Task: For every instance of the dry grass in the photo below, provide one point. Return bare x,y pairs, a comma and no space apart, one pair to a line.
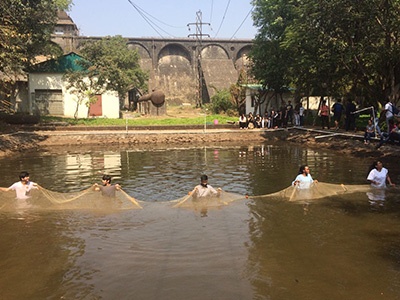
184,111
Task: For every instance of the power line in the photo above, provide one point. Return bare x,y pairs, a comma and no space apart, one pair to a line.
142,13
158,20
223,18
212,9
241,24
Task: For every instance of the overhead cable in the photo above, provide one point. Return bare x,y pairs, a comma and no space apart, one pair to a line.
142,13
241,24
223,18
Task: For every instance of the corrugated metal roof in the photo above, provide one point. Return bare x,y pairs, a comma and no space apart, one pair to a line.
67,62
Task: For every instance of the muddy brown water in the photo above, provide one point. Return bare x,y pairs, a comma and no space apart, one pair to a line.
340,247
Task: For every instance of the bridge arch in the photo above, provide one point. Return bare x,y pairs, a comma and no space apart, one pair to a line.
214,51
143,52
241,59
174,50
175,73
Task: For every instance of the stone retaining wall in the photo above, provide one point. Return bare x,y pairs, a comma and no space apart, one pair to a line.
181,138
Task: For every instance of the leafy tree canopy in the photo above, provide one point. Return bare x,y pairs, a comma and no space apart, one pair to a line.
25,32
111,66
336,47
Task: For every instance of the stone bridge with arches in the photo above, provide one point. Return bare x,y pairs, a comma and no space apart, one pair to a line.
183,68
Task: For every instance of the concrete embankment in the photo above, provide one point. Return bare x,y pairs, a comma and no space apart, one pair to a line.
51,138
24,140
138,137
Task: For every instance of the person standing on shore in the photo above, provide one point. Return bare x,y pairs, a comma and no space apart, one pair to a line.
324,113
350,116
337,109
301,114
389,114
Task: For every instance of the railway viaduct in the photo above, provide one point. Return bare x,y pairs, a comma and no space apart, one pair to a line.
184,69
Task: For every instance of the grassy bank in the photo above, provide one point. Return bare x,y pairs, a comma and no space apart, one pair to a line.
175,116
142,121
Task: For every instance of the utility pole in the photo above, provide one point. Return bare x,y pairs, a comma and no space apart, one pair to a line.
199,36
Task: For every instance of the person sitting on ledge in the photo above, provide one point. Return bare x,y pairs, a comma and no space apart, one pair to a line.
369,132
393,136
242,121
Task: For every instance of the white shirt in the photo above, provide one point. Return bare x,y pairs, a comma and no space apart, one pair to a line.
304,181
389,110
378,177
204,191
22,190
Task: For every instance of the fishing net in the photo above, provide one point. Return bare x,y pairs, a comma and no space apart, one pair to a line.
223,199
316,191
42,198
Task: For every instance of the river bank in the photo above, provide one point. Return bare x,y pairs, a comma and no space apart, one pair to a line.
23,140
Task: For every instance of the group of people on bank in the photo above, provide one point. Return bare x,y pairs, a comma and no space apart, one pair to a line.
280,118
288,114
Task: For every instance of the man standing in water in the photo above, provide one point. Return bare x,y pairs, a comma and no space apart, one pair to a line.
303,179
107,189
204,189
22,187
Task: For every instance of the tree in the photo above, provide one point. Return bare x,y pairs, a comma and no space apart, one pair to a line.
270,61
113,66
221,101
238,91
82,84
336,47
25,33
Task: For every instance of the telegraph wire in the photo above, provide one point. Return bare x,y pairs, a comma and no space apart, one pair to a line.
146,16
158,20
142,13
223,18
241,24
212,9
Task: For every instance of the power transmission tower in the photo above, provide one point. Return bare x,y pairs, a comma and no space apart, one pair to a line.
199,37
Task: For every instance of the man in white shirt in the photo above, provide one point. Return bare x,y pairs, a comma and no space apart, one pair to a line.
22,187
204,189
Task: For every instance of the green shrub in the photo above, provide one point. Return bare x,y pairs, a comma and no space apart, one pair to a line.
221,102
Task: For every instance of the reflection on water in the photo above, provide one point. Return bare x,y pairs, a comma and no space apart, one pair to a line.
332,248
167,174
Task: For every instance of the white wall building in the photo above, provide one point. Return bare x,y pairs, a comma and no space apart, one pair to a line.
48,93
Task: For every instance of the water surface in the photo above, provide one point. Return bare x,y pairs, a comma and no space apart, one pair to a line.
341,247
